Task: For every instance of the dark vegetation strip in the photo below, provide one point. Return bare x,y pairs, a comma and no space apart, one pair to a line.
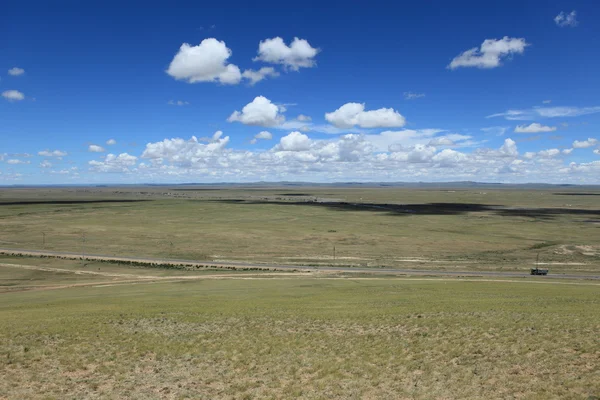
142,264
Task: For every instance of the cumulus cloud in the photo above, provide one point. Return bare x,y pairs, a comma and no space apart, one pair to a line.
300,54
184,152
448,157
45,164
114,163
597,151
352,114
16,71
260,112
111,142
584,144
13,95
412,96
54,153
264,135
295,141
546,112
563,19
94,148
549,153
534,128
567,151
206,62
257,76
490,54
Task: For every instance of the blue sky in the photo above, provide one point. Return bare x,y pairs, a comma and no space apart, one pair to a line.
433,91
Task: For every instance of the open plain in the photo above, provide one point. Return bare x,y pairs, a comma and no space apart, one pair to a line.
104,328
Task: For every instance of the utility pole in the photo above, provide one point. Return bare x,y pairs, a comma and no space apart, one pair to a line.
83,247
334,253
43,239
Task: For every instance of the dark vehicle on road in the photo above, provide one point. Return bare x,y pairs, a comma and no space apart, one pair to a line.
539,271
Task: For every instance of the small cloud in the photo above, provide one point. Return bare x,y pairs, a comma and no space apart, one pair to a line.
264,135
567,151
15,161
111,142
260,112
584,144
96,149
534,128
563,19
177,103
55,153
13,95
412,96
303,118
352,114
299,54
16,71
256,76
490,53
547,101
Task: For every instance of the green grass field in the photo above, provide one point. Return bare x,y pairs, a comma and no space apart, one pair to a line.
74,329
394,227
301,337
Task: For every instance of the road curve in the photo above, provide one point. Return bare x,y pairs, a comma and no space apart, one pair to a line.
385,271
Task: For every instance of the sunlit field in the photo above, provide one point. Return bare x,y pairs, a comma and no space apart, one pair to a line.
461,229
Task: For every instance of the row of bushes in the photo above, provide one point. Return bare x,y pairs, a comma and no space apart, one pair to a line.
141,264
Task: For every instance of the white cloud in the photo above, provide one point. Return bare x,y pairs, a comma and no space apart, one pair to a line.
584,144
257,76
16,71
184,152
95,148
534,128
549,153
303,118
295,141
412,96
597,151
13,95
264,135
547,101
55,153
490,54
509,148
111,142
546,112
352,114
45,164
114,163
563,19
567,151
206,62
178,103
449,157
260,112
15,161
300,54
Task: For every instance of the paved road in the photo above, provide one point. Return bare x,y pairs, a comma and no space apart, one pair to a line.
385,271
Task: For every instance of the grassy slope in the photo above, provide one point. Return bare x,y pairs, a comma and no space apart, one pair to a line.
309,338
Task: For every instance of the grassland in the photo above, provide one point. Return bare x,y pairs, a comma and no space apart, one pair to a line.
90,329
461,229
299,337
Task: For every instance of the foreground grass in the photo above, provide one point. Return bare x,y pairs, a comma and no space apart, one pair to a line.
307,338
